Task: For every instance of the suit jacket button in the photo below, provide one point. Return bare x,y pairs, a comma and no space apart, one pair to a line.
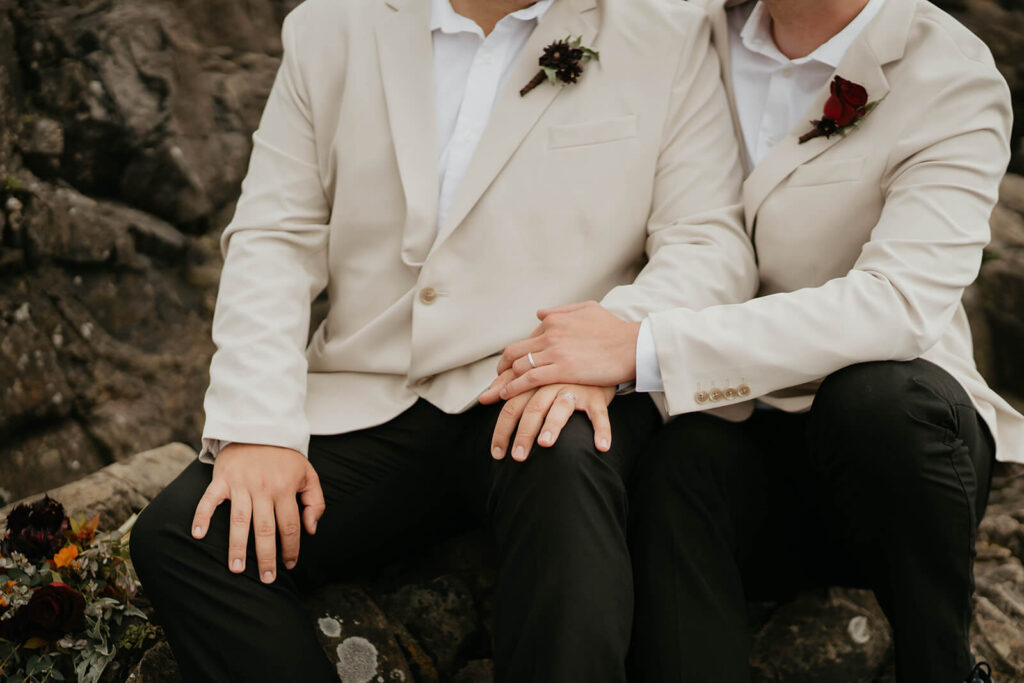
731,393
743,390
701,397
716,395
428,295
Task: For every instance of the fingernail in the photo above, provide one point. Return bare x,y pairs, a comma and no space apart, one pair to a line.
197,531
314,526
545,437
236,564
268,577
518,453
605,444
504,392
497,453
289,565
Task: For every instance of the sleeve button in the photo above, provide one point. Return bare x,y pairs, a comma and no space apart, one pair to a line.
744,390
701,397
731,393
716,395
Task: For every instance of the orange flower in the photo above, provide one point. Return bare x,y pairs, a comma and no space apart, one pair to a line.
66,555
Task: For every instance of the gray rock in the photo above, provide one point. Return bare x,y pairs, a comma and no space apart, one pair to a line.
118,491
476,671
440,614
156,666
842,636
45,460
356,636
33,386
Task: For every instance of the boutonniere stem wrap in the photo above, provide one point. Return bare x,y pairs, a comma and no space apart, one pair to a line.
563,62
846,106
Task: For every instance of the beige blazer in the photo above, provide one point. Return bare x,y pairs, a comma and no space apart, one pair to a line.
865,243
568,188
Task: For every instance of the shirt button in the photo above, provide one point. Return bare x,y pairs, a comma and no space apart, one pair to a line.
701,397
716,395
731,393
487,60
428,295
743,390
787,72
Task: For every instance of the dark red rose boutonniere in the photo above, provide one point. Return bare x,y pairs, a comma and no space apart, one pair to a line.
847,104
563,62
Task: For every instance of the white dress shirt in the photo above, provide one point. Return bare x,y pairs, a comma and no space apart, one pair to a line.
470,70
773,95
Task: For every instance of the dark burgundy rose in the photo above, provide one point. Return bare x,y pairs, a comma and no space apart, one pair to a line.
53,611
37,529
846,103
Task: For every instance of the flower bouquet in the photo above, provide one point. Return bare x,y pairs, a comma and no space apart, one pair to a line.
66,595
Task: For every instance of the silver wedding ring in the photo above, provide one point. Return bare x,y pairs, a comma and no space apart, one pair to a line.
569,395
529,357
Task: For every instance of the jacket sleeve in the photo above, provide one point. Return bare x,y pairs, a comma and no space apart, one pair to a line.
698,252
906,285
275,263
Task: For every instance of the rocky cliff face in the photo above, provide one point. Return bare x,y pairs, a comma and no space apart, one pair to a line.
124,136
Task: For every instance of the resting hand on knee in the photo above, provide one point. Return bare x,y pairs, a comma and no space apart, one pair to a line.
546,411
262,483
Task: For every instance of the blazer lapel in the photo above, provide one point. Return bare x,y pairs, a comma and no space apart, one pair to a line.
405,49
882,41
513,117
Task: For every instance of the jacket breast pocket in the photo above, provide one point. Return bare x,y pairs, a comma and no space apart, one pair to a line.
592,132
826,172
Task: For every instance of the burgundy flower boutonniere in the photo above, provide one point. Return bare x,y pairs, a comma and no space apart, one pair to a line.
563,61
846,106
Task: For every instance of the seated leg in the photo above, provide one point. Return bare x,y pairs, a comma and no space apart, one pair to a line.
904,461
379,484
564,599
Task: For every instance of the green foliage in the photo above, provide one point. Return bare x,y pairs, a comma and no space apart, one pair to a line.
102,573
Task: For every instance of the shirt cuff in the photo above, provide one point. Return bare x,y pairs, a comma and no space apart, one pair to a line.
211,447
648,372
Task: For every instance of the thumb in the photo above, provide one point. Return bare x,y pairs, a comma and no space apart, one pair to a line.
312,497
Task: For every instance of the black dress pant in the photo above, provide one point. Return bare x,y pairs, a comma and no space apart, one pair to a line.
564,597
881,485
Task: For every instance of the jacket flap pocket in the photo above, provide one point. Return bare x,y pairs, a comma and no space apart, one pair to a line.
592,132
825,172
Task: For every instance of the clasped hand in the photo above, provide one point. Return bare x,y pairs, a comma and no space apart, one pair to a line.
573,361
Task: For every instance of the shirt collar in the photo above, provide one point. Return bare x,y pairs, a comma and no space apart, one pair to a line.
445,19
757,36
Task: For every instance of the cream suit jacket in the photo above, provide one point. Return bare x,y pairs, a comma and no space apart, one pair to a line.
569,187
866,242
